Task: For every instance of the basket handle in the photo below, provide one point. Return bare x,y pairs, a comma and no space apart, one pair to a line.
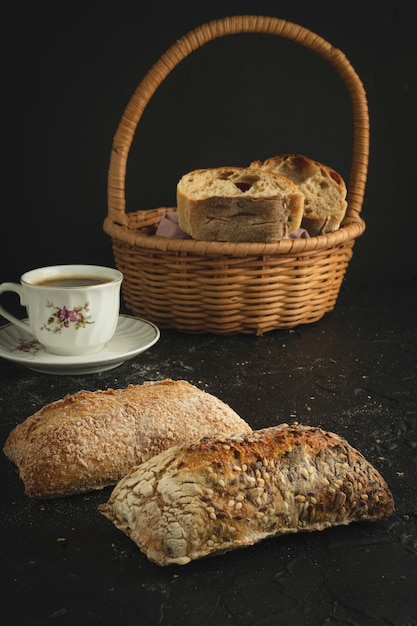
228,26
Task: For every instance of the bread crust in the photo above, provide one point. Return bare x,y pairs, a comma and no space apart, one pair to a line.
324,190
91,439
221,493
238,204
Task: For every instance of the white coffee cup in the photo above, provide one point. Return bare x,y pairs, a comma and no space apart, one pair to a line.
72,309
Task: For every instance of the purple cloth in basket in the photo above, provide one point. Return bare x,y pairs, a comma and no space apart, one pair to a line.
168,227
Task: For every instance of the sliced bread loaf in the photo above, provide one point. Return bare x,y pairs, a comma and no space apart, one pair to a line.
238,204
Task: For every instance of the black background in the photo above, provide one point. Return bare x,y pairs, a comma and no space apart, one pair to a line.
70,70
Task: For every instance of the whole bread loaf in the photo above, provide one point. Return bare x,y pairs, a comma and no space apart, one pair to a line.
238,204
91,439
221,493
323,188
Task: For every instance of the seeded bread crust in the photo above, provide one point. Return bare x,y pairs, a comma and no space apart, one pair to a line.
238,204
217,494
324,190
91,439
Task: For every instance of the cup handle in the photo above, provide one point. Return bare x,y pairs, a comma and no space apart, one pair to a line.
18,289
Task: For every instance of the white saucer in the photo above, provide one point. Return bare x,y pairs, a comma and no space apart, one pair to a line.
132,336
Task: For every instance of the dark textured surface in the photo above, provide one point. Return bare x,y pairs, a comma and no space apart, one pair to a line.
354,373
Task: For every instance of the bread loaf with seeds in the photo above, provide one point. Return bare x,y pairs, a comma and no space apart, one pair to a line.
90,439
238,204
221,493
323,188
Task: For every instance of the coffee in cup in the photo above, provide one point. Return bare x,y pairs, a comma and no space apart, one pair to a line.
72,309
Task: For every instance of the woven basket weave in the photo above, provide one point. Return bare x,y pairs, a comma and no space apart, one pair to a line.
228,288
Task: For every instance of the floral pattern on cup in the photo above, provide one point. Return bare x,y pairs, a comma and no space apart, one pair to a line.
64,318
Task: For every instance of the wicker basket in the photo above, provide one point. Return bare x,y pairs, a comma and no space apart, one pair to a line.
228,288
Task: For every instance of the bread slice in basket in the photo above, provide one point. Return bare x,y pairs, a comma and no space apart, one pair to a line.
238,204
323,188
